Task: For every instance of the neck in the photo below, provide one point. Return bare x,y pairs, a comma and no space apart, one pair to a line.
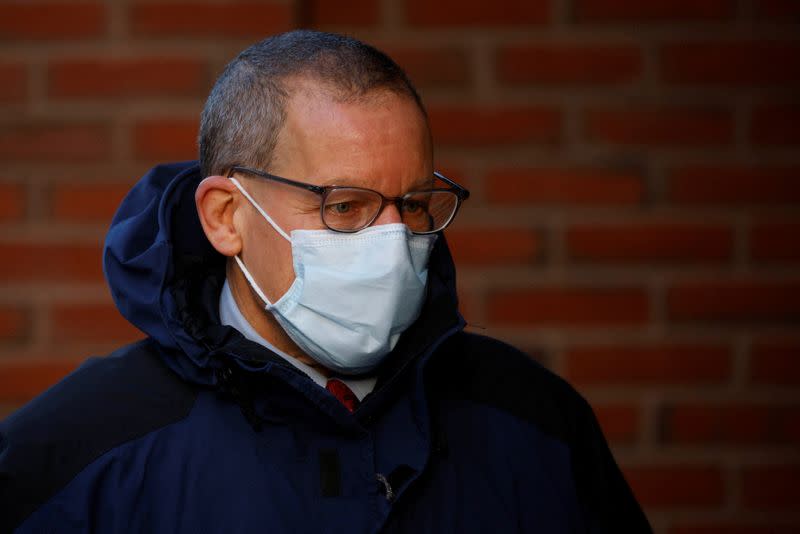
262,321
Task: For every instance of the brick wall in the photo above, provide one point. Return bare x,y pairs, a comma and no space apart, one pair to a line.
634,221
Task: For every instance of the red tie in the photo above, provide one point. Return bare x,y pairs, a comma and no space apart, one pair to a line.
343,393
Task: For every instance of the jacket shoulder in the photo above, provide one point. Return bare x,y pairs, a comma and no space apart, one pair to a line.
491,372
106,402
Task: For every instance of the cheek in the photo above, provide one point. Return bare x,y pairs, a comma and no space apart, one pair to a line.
268,256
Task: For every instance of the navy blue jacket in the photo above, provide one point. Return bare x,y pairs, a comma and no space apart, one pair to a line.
196,429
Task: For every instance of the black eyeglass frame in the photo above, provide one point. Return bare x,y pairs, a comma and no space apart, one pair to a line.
461,193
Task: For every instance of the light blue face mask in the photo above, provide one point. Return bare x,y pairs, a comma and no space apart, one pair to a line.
353,294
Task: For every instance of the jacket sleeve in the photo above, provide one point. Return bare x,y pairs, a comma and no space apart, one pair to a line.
20,482
53,450
605,496
32,471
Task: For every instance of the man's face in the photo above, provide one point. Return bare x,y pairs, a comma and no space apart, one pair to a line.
380,142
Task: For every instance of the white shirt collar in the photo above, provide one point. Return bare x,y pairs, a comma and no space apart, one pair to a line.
230,315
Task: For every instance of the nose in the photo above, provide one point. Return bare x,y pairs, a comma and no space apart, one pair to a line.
389,214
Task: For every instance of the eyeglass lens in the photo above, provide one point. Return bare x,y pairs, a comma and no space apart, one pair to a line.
351,209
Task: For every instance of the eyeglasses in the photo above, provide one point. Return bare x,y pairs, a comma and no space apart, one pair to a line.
350,209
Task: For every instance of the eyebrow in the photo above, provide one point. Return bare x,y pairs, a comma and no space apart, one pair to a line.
429,181
419,185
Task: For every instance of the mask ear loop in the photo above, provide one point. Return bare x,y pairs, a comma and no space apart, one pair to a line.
260,210
274,225
252,282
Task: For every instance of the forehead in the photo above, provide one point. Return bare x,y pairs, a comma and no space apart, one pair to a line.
380,141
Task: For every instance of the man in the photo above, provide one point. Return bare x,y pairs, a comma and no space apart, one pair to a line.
305,367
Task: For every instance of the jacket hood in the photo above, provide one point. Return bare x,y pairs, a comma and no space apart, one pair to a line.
165,278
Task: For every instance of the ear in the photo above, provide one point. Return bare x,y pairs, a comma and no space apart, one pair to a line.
216,206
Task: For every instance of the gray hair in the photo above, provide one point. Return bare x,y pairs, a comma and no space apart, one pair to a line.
247,106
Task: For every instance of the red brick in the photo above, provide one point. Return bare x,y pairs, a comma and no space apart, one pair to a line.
199,19
495,246
42,262
653,10
771,487
620,422
13,323
475,127
733,528
477,12
732,423
166,139
431,67
28,20
778,9
775,125
569,64
775,363
37,141
569,307
775,240
86,202
647,241
734,185
734,301
15,81
677,486
578,187
342,13
13,202
126,77
98,323
20,381
729,64
646,365
676,127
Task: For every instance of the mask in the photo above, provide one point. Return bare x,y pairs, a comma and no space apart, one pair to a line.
353,294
